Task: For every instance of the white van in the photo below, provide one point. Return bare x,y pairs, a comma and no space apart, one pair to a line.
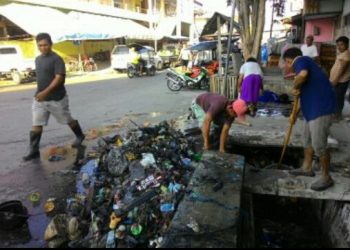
120,57
14,65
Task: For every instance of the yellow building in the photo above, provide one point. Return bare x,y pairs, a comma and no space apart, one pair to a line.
68,50
172,18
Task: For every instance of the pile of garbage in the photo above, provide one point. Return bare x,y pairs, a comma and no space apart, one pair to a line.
128,191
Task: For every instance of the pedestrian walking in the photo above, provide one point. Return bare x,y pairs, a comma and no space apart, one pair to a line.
51,96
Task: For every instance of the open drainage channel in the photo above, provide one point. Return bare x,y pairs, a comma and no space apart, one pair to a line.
277,222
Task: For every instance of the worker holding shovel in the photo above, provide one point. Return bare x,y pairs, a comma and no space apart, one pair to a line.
318,104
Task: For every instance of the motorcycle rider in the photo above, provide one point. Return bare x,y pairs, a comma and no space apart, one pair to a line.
136,60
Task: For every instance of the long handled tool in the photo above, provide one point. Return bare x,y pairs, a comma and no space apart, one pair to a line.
290,129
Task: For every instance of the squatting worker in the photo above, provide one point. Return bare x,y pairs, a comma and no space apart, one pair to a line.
319,104
211,108
51,96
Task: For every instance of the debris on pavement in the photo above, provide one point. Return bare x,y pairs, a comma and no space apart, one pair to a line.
56,158
57,151
128,190
49,205
34,198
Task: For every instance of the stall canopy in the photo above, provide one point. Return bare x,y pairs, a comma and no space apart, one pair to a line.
102,27
35,19
212,26
72,26
209,45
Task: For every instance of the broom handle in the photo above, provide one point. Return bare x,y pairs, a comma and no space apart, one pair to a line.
290,130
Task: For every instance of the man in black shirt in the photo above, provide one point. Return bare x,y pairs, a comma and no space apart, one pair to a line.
51,96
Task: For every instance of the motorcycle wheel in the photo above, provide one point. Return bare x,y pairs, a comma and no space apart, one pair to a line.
174,86
191,85
131,72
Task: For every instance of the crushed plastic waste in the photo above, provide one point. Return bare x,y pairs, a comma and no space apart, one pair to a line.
273,110
56,158
49,205
34,198
128,190
57,151
56,154
193,225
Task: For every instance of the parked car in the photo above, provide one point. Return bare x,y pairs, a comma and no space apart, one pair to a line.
14,66
158,61
121,57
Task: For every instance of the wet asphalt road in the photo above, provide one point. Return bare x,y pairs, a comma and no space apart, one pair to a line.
94,104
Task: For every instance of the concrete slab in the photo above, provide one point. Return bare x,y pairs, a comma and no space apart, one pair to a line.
281,183
215,212
269,132
266,132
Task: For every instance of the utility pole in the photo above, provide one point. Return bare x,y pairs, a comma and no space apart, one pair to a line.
218,23
152,24
229,46
272,17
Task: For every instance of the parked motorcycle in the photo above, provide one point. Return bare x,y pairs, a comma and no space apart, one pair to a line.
89,64
197,79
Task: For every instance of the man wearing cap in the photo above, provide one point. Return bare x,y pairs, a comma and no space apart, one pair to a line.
213,108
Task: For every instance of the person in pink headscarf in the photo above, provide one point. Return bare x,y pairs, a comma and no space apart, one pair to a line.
210,108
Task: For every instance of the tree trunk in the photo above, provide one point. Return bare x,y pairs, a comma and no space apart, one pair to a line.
252,23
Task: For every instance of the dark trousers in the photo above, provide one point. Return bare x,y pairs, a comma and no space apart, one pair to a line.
340,91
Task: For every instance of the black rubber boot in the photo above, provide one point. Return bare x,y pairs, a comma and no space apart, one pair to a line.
79,134
34,152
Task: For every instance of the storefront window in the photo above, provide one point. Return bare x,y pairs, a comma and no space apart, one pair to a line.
347,20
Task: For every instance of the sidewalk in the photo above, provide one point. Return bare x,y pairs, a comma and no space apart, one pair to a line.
72,78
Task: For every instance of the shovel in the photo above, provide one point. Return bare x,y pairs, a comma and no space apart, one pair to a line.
290,129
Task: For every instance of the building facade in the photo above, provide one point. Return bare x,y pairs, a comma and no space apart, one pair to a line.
150,13
322,19
344,28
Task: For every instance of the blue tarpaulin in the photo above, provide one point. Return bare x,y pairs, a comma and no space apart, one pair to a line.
208,45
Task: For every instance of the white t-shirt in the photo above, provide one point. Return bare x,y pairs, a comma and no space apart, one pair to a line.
309,51
251,68
185,54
